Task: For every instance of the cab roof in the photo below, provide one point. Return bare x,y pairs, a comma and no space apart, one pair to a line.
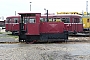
28,14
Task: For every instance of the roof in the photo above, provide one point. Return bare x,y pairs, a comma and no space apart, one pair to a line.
45,15
64,15
12,16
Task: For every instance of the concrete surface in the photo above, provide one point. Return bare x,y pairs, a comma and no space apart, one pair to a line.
53,51
76,51
7,38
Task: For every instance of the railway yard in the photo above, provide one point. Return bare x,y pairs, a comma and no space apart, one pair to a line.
40,35
76,48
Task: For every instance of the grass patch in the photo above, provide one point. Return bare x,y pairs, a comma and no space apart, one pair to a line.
0,32
10,35
15,36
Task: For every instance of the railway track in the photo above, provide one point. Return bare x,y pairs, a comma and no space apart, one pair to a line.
44,42
80,35
10,42
72,35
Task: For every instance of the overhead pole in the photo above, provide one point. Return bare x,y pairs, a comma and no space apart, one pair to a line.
47,16
15,13
30,6
82,13
87,14
46,12
87,7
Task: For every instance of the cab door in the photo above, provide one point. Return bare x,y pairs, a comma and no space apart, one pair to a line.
32,26
15,24
10,25
76,24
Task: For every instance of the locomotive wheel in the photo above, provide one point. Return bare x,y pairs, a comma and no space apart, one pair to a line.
65,40
20,40
28,41
75,32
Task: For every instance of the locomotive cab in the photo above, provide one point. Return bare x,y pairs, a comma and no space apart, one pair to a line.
29,25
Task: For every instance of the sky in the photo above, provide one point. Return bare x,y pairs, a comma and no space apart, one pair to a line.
8,7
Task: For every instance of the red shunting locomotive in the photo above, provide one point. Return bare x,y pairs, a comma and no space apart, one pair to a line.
34,30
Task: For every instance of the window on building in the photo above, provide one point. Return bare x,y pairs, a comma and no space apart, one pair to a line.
65,20
15,20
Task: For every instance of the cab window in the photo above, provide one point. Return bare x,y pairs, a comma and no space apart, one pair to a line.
80,20
45,19
57,19
15,20
32,20
65,20
50,19
88,20
54,19
76,20
7,20
25,20
41,19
